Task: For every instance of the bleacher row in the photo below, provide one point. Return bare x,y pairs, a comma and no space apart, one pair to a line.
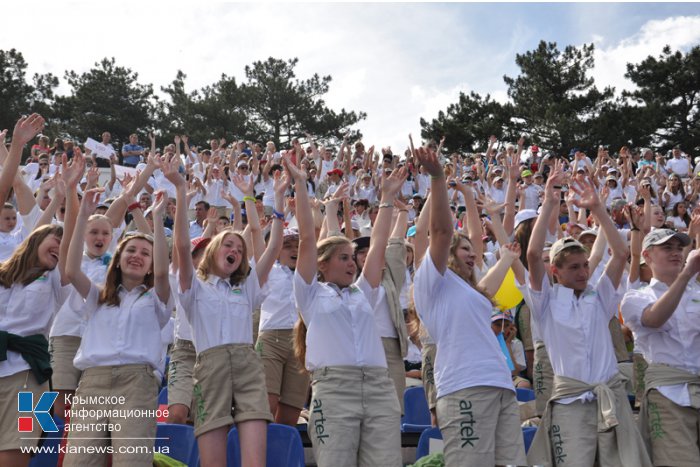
285,444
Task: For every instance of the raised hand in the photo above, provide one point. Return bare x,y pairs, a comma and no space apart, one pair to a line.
296,173
492,207
281,182
159,204
177,140
588,198
226,194
429,159
245,185
73,173
27,127
90,201
212,215
170,167
392,184
93,176
510,251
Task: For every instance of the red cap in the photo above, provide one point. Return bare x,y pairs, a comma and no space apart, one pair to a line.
534,148
337,172
199,243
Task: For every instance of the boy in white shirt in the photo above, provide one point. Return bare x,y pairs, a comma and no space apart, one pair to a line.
588,418
664,319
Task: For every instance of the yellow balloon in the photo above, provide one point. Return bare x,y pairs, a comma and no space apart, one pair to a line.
508,295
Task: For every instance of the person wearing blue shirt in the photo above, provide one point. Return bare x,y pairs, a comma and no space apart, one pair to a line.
132,152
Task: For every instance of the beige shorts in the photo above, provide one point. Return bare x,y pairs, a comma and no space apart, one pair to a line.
284,375
674,431
355,419
63,349
427,354
180,380
481,426
542,378
397,369
138,387
10,386
575,438
228,376
523,323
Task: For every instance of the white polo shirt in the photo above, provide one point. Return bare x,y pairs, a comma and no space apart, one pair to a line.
340,324
278,310
458,319
680,166
677,342
69,322
220,313
126,334
575,331
28,310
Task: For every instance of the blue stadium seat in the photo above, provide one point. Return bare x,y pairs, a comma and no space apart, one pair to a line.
524,395
181,442
163,396
51,442
424,441
528,436
284,447
417,415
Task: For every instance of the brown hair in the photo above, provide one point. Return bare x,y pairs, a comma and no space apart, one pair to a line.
325,250
207,263
457,237
23,267
109,294
564,255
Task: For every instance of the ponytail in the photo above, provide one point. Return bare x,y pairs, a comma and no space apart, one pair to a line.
299,342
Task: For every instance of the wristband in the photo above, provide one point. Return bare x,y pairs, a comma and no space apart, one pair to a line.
278,215
436,177
249,198
133,206
386,205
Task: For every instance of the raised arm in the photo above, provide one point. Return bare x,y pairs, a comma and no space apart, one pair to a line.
511,192
274,245
493,279
161,261
72,173
74,273
589,199
660,311
441,228
374,264
420,239
25,130
246,186
181,227
539,232
306,261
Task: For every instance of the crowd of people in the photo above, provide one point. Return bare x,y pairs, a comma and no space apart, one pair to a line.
317,282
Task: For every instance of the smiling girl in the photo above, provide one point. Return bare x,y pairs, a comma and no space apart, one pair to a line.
219,300
121,344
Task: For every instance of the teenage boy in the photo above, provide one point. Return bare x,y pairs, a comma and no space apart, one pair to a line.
665,319
588,418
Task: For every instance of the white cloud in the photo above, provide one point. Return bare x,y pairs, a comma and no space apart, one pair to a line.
679,32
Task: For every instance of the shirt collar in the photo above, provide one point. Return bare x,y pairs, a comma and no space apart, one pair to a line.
139,288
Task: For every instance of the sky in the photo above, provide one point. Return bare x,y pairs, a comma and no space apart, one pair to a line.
397,62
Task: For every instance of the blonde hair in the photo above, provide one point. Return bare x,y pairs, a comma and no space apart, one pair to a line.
109,295
24,267
325,249
207,263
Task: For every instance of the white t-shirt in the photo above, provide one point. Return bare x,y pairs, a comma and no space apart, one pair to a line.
676,342
468,355
278,310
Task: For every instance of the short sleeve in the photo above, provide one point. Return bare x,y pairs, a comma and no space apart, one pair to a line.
540,300
252,287
633,305
427,284
187,297
304,295
92,302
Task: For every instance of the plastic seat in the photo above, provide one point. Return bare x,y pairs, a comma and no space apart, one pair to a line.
284,447
49,457
524,395
528,436
417,416
423,448
163,396
181,442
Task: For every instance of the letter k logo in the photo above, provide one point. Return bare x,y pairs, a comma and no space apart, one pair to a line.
25,403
